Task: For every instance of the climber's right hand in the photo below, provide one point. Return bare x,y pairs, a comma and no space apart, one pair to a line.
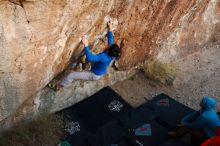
85,41
110,25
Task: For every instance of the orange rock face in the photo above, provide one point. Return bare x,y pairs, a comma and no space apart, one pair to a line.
38,38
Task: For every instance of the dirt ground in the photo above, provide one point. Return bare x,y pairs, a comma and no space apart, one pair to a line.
199,75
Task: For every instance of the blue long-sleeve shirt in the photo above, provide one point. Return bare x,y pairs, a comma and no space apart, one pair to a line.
206,118
102,60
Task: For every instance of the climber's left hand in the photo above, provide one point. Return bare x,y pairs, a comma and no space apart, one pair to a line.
85,41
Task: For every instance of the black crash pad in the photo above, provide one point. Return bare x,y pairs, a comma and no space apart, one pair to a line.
96,118
99,109
122,142
168,111
159,134
163,114
111,133
137,117
105,119
174,142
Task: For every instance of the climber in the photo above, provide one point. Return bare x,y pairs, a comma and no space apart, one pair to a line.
203,121
100,62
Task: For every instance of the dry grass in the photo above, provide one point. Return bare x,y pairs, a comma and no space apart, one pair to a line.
42,131
162,73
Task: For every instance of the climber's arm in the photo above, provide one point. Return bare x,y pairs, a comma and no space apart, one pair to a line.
110,34
194,120
92,57
89,55
110,38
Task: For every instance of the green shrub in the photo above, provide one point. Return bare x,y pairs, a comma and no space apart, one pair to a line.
162,73
42,131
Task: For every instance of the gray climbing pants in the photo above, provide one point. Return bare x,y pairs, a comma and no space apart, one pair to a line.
84,75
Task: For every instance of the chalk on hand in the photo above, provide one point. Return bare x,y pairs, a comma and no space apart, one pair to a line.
107,19
87,36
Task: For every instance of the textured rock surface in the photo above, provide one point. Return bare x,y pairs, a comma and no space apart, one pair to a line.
38,38
50,101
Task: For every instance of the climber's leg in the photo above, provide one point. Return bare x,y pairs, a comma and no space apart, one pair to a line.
85,75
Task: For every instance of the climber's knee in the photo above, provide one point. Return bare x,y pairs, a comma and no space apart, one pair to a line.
95,77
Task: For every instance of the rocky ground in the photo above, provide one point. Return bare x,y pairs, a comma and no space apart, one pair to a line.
199,75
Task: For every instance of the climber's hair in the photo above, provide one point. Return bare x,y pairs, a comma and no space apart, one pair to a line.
114,51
